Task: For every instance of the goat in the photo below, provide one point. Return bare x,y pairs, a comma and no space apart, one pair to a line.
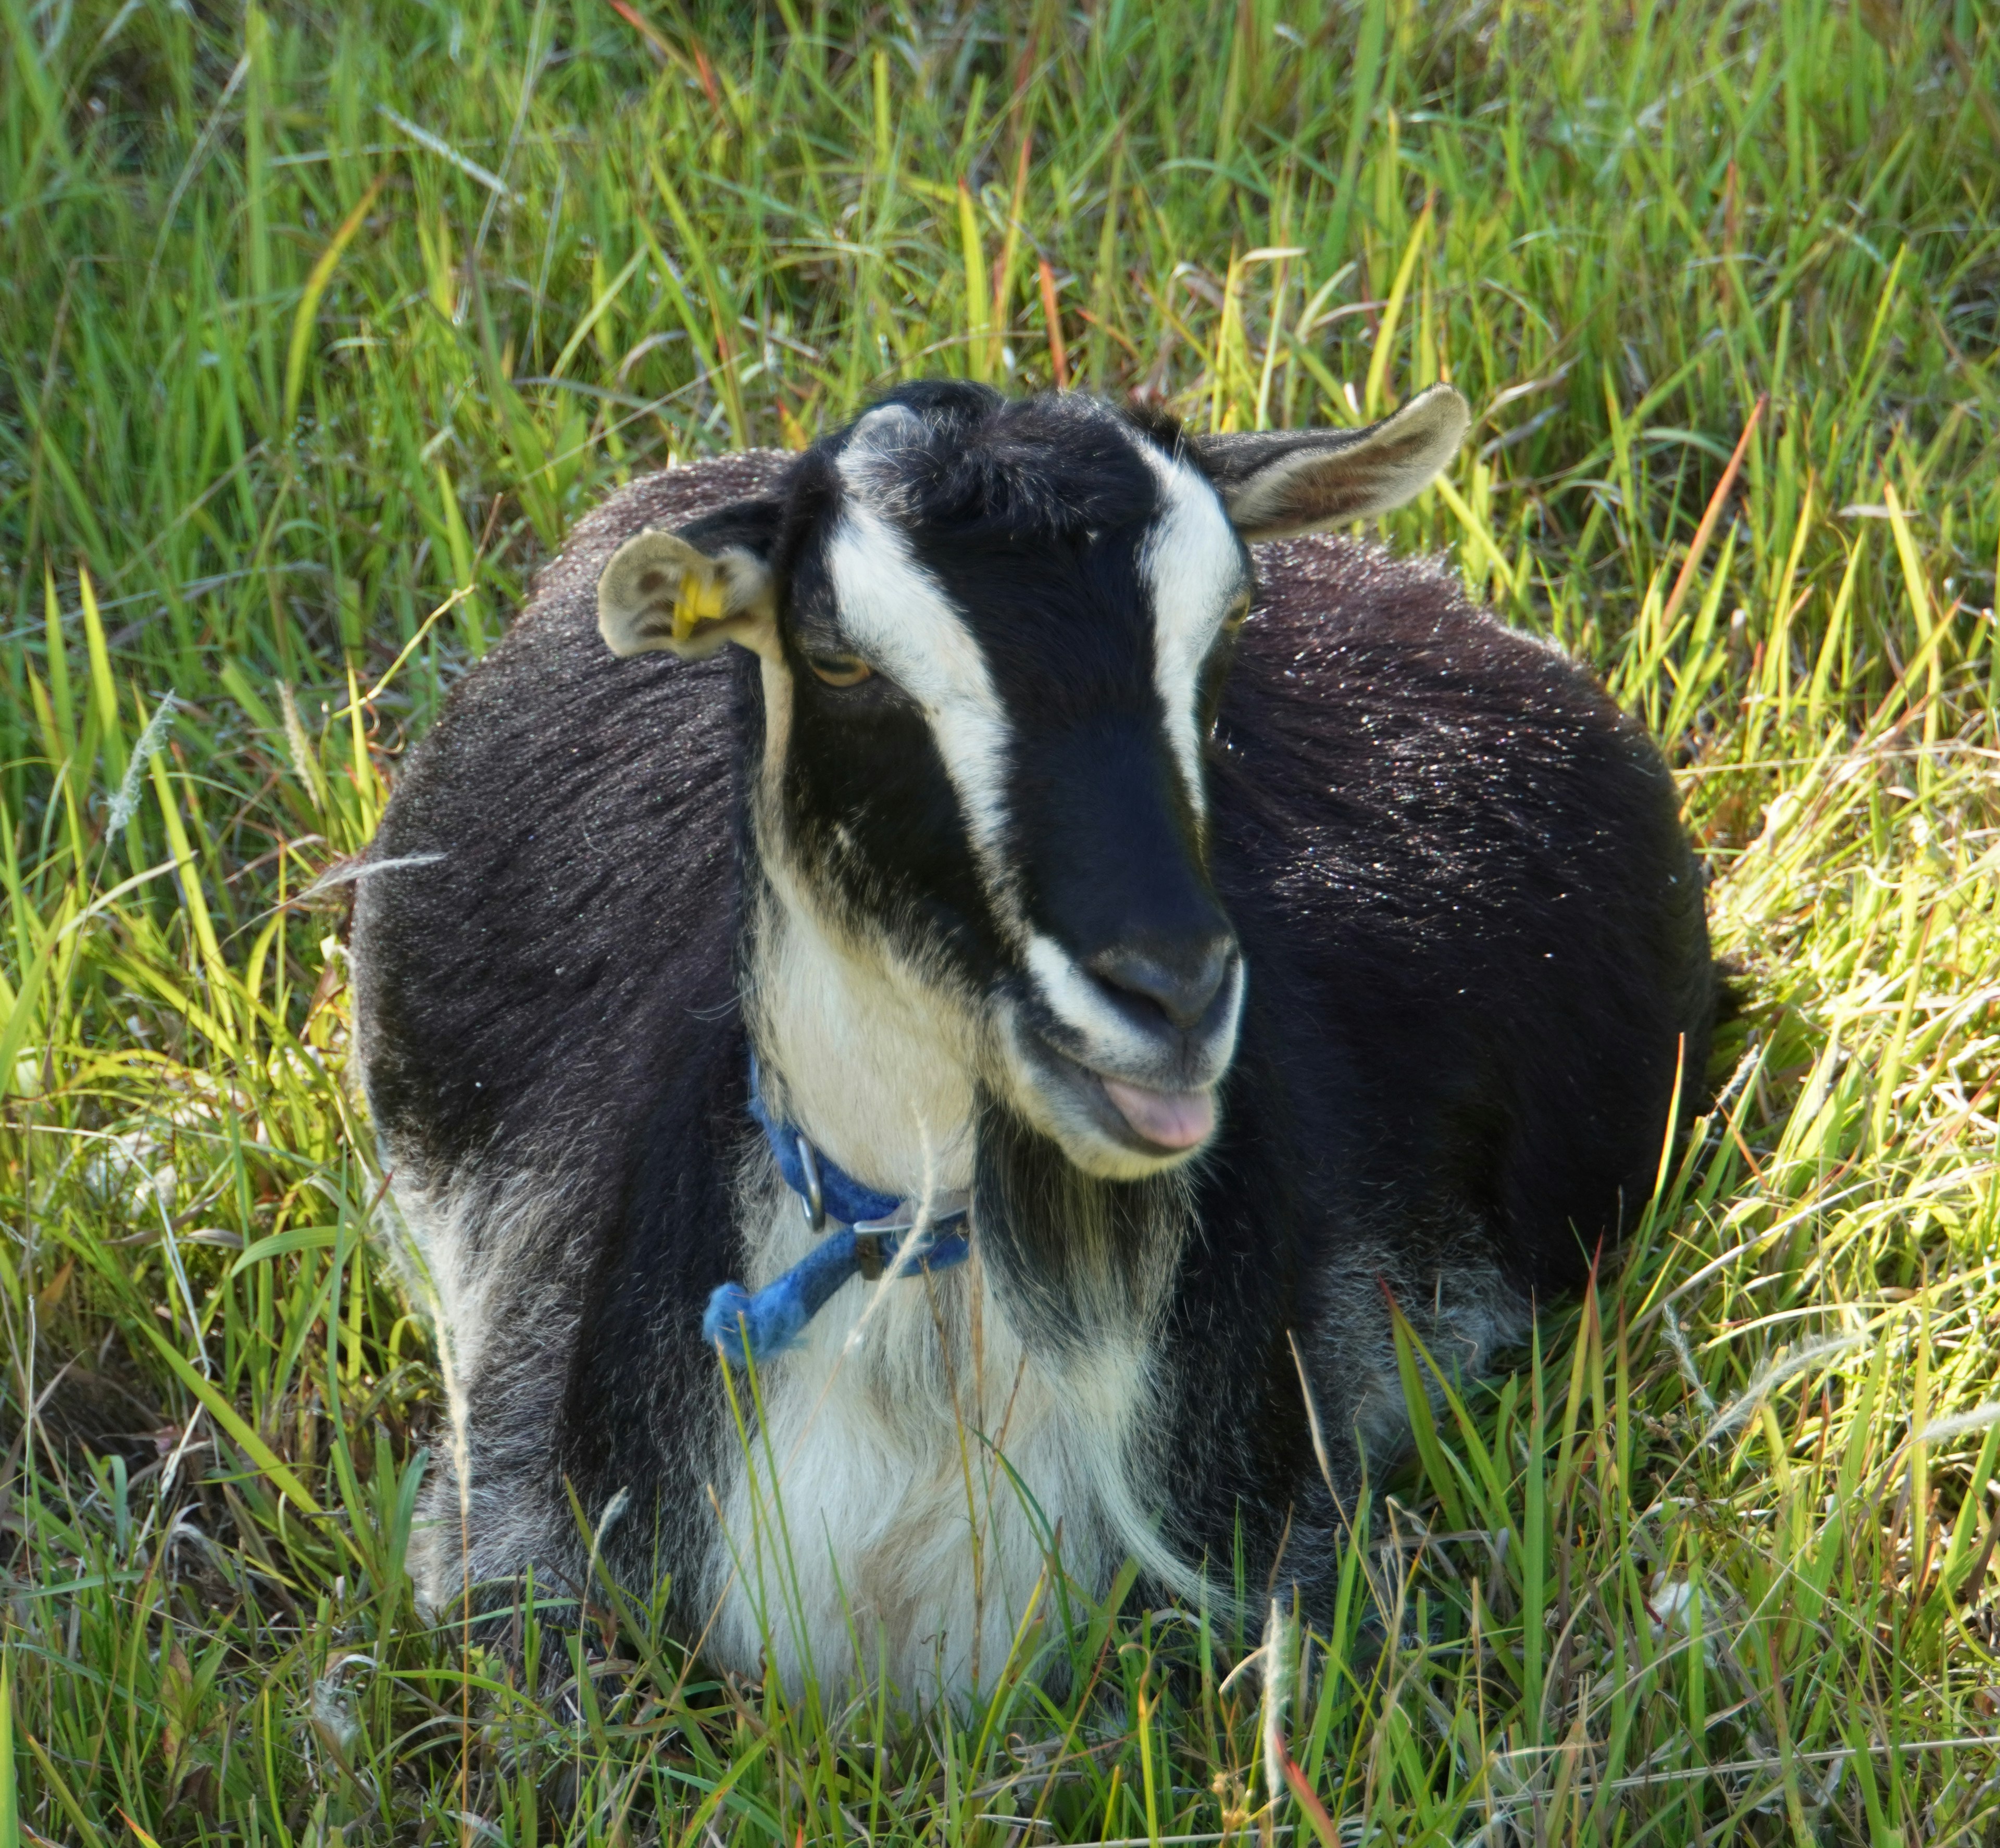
1263,938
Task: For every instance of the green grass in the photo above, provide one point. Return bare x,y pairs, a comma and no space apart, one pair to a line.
319,325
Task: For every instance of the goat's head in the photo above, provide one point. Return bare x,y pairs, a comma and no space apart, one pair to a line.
993,635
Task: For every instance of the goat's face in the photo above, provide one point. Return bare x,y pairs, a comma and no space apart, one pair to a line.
993,635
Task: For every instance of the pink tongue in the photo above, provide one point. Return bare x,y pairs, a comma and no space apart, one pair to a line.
1171,1119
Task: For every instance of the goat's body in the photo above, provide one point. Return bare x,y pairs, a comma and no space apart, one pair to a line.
1475,939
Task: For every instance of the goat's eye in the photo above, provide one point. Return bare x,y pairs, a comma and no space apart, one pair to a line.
1238,613
839,669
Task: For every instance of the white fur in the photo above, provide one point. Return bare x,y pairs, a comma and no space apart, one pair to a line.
869,1523
457,1242
1193,565
895,1540
870,1061
897,616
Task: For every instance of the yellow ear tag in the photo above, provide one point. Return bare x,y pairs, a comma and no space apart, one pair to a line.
700,599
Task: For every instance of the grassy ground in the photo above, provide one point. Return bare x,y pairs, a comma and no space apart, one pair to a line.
319,324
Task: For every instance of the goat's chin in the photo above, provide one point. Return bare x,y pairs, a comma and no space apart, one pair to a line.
1111,1129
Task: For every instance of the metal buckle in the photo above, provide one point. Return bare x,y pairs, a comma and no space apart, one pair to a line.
943,1210
814,1201
869,1234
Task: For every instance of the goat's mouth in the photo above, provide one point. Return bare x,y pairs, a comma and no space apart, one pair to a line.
1118,1127
1172,1121
1122,1099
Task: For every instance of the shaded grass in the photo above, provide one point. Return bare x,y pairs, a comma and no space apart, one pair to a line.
319,328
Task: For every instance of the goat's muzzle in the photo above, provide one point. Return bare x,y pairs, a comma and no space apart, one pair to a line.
1117,1054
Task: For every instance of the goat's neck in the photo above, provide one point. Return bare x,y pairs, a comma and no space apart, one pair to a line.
878,1067
868,1060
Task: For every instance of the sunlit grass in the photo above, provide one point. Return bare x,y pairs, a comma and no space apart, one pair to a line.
320,326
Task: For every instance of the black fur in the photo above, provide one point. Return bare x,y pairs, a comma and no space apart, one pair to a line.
1472,925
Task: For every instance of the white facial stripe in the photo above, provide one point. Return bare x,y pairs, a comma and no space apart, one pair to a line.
1192,567
897,615
1079,1003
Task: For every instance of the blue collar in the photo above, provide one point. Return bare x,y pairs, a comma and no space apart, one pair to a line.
828,1191
759,1327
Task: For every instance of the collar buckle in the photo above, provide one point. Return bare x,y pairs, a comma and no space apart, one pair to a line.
812,1196
878,1230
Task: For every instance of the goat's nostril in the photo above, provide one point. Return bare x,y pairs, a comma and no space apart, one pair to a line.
1183,983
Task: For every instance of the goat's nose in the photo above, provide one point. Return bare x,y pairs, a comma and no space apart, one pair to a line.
1183,983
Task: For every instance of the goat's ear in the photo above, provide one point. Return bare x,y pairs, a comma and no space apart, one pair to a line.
661,591
1277,483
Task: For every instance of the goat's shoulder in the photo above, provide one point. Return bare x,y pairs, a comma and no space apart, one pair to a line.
1457,865
553,888
1444,806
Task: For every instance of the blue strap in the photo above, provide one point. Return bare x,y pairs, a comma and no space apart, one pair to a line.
847,1202
764,1325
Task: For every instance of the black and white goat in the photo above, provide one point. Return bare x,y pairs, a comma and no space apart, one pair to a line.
1259,934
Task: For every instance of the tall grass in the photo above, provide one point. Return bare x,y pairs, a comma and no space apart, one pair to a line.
320,325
